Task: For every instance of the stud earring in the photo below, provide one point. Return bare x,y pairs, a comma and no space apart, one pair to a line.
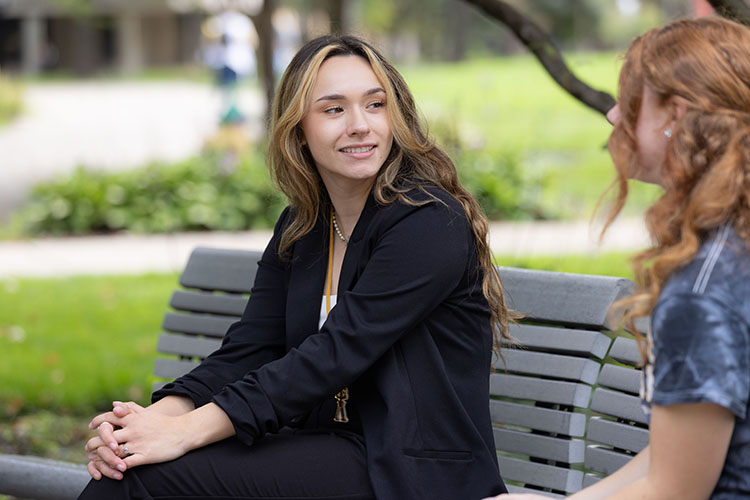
668,132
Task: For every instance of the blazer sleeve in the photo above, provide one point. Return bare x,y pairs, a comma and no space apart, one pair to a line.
259,336
417,260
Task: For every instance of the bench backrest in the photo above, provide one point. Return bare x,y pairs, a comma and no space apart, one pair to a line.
217,283
564,406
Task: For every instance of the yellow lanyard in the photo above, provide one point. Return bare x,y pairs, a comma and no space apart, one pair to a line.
343,395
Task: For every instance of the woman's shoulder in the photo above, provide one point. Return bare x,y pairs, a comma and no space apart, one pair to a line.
719,273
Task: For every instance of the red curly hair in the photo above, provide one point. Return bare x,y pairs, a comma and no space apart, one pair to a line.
706,171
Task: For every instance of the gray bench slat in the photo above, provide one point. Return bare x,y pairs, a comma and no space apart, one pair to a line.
551,365
220,269
543,390
589,479
541,475
570,451
618,404
172,368
621,378
41,478
570,299
206,302
187,345
617,434
199,324
606,461
564,340
535,417
626,351
512,488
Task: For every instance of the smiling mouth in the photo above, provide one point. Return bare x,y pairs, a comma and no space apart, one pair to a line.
357,150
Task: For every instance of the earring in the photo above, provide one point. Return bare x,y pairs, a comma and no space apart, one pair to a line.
668,132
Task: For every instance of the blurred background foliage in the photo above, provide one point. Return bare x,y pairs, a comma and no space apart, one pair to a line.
195,194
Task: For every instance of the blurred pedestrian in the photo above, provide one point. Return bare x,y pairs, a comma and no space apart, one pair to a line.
230,41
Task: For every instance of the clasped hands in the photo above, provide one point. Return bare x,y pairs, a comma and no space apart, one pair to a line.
131,435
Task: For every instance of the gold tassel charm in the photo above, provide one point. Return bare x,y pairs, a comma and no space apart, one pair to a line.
341,398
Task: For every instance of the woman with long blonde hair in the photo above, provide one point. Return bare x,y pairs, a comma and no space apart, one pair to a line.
683,121
360,367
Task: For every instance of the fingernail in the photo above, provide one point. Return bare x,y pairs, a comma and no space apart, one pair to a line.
113,446
91,425
121,467
118,475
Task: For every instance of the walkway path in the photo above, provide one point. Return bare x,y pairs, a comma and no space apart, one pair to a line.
127,253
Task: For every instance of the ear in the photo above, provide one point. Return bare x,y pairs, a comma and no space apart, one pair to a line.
677,107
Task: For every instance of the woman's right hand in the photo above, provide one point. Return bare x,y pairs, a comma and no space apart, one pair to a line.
106,460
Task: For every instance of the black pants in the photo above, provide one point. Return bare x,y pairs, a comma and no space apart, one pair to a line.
291,465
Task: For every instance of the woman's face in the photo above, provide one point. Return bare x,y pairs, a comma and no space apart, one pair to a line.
651,141
346,126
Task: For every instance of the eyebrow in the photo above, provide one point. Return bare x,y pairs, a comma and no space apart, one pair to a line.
339,97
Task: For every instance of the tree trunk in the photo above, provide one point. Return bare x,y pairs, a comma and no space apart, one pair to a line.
337,14
264,27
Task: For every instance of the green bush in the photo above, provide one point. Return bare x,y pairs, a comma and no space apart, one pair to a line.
195,194
493,175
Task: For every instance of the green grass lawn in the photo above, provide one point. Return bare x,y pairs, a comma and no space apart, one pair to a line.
510,104
73,345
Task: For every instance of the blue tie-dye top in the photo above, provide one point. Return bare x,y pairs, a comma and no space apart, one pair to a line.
700,346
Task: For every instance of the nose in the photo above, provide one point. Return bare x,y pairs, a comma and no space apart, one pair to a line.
357,123
613,115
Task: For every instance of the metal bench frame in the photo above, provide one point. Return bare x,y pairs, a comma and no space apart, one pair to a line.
564,405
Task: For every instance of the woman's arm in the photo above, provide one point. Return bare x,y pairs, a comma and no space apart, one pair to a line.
622,477
687,447
689,444
413,259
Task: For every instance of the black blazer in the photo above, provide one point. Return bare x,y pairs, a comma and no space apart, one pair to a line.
410,335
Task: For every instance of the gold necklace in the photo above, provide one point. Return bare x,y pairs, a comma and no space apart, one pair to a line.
342,396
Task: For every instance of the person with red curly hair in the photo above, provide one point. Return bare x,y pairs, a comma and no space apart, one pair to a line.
682,121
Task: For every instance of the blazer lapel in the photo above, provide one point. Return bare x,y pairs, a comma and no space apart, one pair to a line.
355,256
306,283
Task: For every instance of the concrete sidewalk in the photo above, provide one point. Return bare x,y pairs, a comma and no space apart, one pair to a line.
131,254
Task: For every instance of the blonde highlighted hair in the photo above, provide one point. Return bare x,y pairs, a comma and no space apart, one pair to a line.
413,162
706,173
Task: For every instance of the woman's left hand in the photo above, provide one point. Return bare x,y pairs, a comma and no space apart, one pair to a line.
145,436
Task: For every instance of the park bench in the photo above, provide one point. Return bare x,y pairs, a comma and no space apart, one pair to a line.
564,408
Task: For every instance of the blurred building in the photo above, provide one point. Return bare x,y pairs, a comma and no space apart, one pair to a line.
85,37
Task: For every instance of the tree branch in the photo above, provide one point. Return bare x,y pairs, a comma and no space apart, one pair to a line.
545,50
737,10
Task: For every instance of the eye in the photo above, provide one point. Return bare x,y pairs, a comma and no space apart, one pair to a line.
376,104
333,110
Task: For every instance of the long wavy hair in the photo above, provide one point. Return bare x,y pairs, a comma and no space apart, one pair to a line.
413,162
706,171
